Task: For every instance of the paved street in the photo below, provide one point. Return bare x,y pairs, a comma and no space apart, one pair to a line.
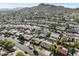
26,49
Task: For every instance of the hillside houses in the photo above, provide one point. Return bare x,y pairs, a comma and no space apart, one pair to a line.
46,44
44,30
55,35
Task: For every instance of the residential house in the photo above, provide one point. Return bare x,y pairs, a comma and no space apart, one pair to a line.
55,35
36,41
60,27
43,51
28,37
46,44
62,50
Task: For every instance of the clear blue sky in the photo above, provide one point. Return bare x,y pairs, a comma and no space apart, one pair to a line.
15,5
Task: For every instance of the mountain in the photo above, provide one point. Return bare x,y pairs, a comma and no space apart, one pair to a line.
42,10
46,10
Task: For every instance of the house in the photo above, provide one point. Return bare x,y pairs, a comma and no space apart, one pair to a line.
72,30
44,34
75,34
43,51
36,27
60,27
18,33
62,50
76,29
3,51
55,35
76,39
36,41
28,31
4,31
28,37
52,39
13,31
46,44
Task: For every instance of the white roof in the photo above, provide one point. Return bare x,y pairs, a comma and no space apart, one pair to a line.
28,36
4,31
76,37
36,27
55,35
47,42
45,52
37,39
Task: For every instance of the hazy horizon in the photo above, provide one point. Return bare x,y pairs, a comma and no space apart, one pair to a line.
17,5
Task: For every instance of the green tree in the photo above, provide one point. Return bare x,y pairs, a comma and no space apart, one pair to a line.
54,48
60,39
21,39
1,42
52,27
76,20
66,26
19,53
48,35
9,44
73,51
66,44
76,44
72,44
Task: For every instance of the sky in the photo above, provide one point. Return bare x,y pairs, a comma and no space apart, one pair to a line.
69,5
17,5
